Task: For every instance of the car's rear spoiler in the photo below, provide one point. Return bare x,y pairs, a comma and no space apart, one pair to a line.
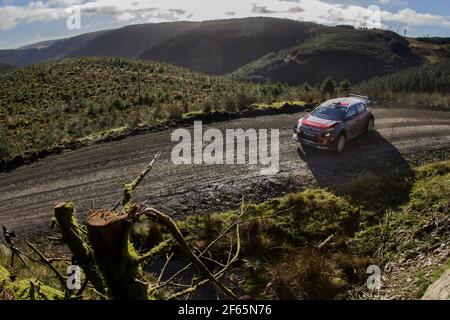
363,97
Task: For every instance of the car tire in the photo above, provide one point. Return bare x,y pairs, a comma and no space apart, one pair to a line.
340,143
370,125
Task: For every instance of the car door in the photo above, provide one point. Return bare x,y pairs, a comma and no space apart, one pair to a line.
362,117
351,122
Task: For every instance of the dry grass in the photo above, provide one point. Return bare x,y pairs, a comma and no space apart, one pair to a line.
305,275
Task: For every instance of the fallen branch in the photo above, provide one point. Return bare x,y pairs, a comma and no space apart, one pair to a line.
49,264
225,232
325,241
175,231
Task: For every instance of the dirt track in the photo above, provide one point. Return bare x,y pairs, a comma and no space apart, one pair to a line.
97,172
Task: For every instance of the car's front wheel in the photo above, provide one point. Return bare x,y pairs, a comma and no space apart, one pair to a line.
340,143
370,125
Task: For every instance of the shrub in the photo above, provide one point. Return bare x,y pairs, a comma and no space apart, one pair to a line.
207,106
229,103
328,86
306,275
345,86
244,100
174,111
118,104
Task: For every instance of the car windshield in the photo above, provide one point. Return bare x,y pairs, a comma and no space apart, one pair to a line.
330,112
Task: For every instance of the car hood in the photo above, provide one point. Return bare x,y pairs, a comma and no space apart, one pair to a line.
316,122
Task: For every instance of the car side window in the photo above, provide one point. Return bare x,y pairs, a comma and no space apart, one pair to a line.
361,108
351,112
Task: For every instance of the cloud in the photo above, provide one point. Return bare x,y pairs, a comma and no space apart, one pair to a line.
11,16
296,9
261,10
414,19
140,11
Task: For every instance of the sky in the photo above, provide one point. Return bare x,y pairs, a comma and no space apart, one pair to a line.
25,22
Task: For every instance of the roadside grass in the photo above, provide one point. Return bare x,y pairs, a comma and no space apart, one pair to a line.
318,243
278,104
30,277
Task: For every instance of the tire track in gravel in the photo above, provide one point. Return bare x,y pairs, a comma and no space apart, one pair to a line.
97,172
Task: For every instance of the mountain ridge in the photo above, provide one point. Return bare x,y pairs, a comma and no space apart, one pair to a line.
250,49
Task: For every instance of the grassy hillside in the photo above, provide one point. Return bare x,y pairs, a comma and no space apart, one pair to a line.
4,68
58,102
36,54
342,52
433,50
219,47
129,41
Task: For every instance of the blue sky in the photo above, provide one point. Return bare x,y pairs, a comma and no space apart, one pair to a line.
24,22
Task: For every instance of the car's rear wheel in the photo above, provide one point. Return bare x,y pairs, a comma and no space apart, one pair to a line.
370,125
340,143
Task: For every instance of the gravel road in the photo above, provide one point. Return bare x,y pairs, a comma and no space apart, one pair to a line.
96,173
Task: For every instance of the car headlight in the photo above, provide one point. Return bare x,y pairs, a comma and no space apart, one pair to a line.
327,134
330,129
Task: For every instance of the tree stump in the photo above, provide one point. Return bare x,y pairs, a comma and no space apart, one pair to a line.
116,258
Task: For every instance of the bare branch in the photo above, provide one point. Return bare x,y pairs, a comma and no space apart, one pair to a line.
48,263
173,229
128,188
154,251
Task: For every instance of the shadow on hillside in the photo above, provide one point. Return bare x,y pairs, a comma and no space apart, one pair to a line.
370,170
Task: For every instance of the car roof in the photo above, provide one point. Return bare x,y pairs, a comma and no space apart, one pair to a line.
345,101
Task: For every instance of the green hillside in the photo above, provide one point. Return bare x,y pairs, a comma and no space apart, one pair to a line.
258,49
219,47
67,99
342,52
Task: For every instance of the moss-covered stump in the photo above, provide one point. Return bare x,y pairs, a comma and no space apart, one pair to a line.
117,260
72,234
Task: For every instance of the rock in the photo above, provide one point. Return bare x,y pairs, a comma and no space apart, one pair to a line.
440,289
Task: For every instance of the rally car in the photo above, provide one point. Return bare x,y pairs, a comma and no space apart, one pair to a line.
335,122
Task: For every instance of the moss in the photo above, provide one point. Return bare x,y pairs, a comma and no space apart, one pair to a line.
73,235
407,227
255,283
28,289
35,290
387,190
146,235
278,104
423,282
193,114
